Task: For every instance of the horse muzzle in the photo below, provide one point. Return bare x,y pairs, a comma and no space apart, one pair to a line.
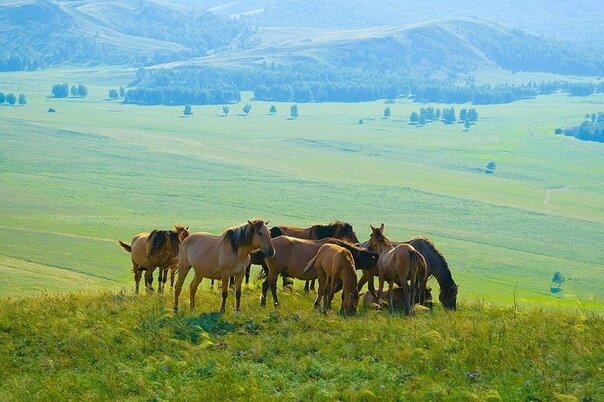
270,253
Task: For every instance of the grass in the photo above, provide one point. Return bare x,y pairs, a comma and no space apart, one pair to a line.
76,180
100,346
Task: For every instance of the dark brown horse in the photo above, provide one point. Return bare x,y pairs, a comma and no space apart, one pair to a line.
221,257
156,249
335,269
437,267
293,254
370,301
337,230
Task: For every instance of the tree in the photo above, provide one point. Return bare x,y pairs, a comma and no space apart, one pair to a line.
225,110
22,100
467,124
491,167
2,98
414,118
387,112
558,131
187,110
60,90
558,279
422,119
361,121
247,109
473,115
82,91
122,92
74,91
113,94
273,109
293,111
11,99
463,115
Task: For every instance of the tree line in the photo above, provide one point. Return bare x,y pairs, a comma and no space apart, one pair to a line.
591,129
64,90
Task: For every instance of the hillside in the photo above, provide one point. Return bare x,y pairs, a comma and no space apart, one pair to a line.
45,32
90,347
577,22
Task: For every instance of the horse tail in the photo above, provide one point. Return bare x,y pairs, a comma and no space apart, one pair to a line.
418,275
125,246
310,266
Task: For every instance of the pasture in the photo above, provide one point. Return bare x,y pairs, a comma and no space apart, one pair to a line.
96,171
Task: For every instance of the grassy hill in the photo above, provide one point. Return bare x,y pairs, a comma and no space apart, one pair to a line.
71,186
119,346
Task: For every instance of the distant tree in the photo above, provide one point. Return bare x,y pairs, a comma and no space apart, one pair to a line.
491,167
247,109
113,94
361,121
122,92
414,118
558,279
430,114
558,131
473,115
273,109
422,119
467,124
82,91
51,110
11,99
22,100
387,112
60,90
187,110
2,98
437,114
74,91
463,115
293,111
448,115
225,110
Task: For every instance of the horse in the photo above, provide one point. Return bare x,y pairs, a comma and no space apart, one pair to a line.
221,257
398,264
437,267
293,254
156,249
370,300
335,268
338,230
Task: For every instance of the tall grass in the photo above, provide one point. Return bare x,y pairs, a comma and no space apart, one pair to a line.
123,347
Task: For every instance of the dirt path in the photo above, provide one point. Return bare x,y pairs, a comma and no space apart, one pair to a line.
58,233
548,193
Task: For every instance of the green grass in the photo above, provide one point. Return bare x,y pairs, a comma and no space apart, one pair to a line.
74,181
117,346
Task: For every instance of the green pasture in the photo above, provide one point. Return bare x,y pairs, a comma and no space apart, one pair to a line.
74,181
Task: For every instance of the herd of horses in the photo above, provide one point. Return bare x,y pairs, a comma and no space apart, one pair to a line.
331,254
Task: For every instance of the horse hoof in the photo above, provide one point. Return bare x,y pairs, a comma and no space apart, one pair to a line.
277,305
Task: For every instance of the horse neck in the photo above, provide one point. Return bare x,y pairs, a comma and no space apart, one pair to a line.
384,246
349,278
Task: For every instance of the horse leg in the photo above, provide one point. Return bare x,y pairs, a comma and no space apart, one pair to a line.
212,284
247,273
193,289
137,275
274,292
238,281
312,284
264,289
380,289
149,279
406,297
182,274
225,291
332,291
390,285
326,294
322,281
307,286
172,275
160,279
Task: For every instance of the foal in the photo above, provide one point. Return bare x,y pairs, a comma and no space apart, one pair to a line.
335,268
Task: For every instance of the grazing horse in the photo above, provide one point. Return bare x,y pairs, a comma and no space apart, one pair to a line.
370,300
437,267
398,264
293,254
337,230
335,268
156,249
221,257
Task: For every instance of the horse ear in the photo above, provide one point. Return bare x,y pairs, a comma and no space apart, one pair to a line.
250,222
372,228
187,228
382,227
267,222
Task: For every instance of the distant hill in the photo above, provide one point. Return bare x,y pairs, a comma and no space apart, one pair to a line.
44,32
576,21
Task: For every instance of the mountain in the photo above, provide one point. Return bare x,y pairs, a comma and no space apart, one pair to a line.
577,21
46,32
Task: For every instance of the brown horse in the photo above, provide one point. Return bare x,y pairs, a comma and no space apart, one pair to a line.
337,230
370,300
156,249
221,257
398,264
293,254
437,267
335,268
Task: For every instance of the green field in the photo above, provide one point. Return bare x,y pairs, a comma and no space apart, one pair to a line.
74,181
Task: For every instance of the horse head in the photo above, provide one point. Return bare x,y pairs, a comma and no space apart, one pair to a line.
261,237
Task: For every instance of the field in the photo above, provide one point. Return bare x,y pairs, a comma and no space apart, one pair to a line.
76,180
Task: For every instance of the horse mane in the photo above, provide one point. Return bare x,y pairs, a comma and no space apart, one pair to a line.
157,237
331,229
350,247
448,277
242,235
276,231
382,237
